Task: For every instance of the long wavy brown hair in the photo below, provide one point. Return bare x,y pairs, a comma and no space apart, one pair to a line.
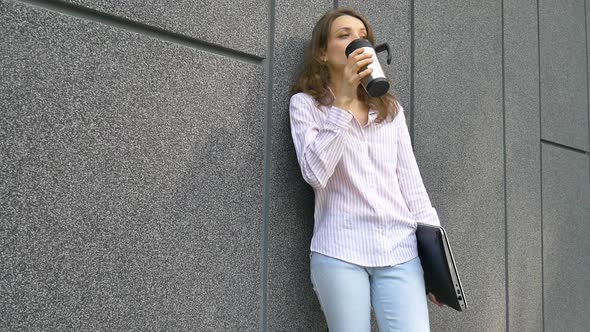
314,77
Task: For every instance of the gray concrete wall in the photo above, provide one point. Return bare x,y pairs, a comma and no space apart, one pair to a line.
524,280
148,179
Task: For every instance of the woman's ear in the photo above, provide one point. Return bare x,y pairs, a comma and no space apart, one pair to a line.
323,56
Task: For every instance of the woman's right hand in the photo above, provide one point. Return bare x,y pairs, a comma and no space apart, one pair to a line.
352,77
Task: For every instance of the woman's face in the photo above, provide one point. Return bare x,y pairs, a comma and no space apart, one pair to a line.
344,30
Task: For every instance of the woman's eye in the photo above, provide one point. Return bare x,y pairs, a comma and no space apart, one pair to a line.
346,35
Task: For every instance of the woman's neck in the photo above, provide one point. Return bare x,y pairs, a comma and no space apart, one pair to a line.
334,85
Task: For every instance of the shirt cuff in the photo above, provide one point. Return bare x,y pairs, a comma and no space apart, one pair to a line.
428,216
339,117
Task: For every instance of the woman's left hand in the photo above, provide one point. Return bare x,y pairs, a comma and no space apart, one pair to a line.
433,299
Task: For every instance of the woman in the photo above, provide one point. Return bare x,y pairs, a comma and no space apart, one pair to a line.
355,151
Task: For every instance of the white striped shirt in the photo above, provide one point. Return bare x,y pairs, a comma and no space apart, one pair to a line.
368,190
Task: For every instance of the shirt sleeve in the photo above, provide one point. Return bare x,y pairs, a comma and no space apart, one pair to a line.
409,178
319,146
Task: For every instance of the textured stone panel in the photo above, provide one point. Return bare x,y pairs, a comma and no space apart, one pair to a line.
391,24
523,181
292,304
564,90
566,244
459,147
239,25
130,181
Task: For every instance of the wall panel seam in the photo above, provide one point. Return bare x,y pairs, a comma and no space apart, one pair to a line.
563,146
587,79
151,31
412,69
541,168
506,277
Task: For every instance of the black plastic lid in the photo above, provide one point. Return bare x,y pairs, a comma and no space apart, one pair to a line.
355,44
378,87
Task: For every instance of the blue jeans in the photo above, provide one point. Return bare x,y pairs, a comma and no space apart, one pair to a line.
347,291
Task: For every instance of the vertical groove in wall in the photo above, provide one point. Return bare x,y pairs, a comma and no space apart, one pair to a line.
412,55
268,69
541,167
587,80
506,276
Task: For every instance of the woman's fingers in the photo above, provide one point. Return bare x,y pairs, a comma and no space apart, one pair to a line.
356,78
357,52
361,55
356,57
355,70
364,73
364,62
433,299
